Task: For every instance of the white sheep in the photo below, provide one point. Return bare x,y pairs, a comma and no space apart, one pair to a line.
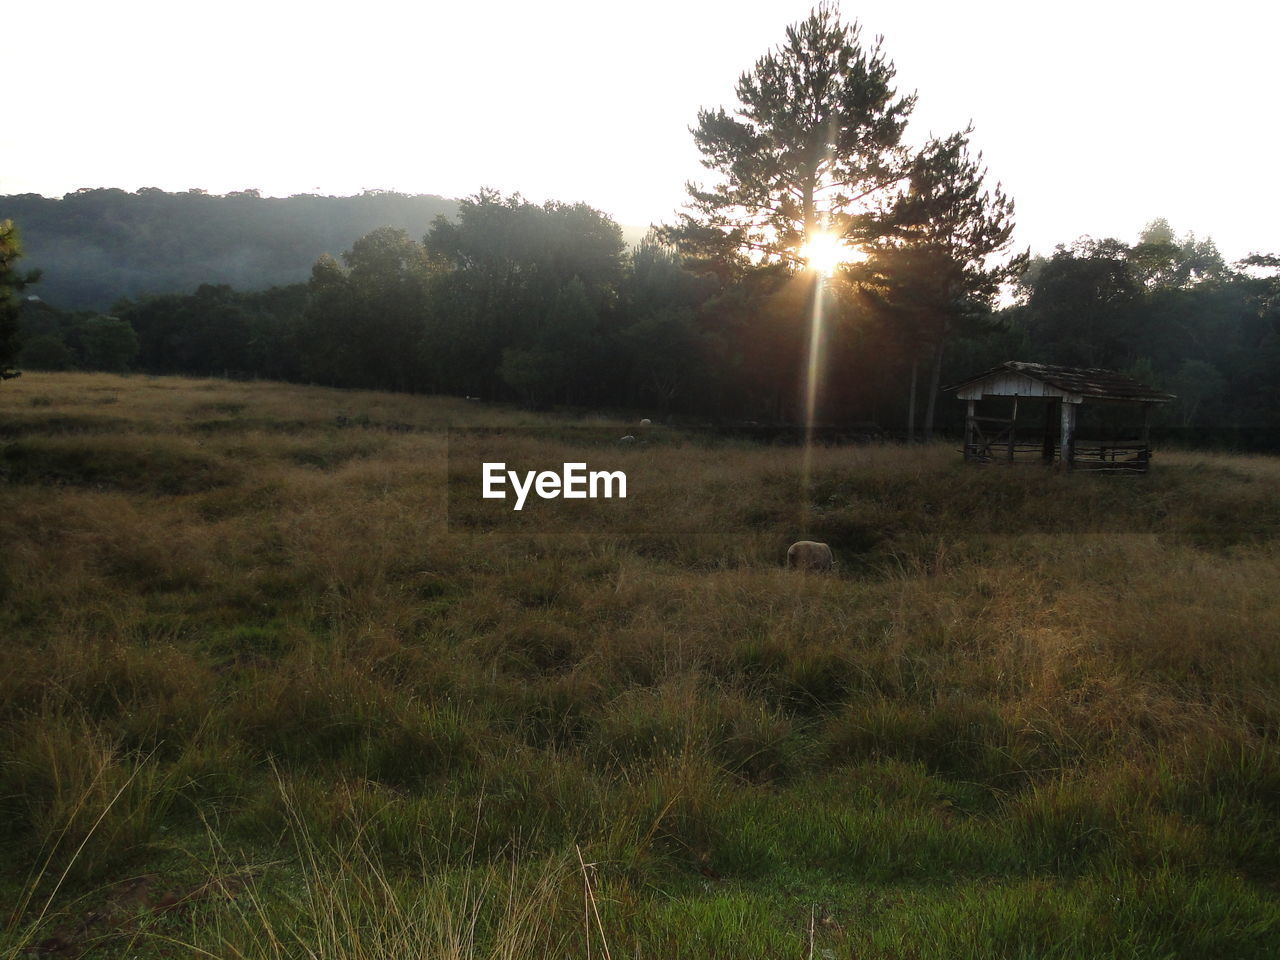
809,555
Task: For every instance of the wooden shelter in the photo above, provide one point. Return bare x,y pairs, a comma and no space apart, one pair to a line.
1062,391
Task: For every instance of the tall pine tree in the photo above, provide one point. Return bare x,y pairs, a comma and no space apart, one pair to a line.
816,132
935,264
11,283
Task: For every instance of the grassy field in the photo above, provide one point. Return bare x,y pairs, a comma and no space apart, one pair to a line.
258,699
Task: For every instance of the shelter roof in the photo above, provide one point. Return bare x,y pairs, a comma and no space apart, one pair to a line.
1084,382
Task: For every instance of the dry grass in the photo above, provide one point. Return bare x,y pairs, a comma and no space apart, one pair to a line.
234,619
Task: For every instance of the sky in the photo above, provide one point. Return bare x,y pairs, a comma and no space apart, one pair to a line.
1096,117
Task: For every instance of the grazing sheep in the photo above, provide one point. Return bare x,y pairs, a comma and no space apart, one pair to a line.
627,439
645,422
809,555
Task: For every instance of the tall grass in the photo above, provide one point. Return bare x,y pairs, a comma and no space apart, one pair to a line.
246,655
343,902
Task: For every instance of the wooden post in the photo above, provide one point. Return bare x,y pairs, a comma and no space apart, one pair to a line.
1068,440
911,402
1046,449
1013,423
1145,457
969,450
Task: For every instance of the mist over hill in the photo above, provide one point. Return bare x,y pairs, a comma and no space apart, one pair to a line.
95,246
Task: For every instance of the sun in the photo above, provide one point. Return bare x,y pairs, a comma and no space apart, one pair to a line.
824,252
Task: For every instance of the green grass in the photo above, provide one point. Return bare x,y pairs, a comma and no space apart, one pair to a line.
260,700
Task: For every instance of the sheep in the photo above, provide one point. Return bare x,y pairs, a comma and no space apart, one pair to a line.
645,422
809,555
627,439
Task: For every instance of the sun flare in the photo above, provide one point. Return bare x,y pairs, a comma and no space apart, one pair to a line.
825,252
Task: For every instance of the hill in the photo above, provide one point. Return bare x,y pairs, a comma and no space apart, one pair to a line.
268,691
96,246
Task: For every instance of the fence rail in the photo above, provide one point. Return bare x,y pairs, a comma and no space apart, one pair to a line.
1120,455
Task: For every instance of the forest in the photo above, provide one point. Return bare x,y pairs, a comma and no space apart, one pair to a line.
547,306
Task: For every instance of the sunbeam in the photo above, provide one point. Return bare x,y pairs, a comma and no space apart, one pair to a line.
813,369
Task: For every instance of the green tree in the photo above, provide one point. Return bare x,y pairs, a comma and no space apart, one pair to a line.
109,343
12,282
533,373
1196,383
366,316
519,282
667,353
663,345
216,331
1086,307
558,354
936,268
46,352
1160,260
817,132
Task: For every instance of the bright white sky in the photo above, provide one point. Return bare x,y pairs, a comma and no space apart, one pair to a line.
1097,116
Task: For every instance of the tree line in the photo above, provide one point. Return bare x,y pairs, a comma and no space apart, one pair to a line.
816,207
544,305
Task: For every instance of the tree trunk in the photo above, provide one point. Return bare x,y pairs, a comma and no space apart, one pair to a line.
911,401
809,209
935,381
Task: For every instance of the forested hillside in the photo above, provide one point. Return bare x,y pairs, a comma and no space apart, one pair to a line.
96,246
